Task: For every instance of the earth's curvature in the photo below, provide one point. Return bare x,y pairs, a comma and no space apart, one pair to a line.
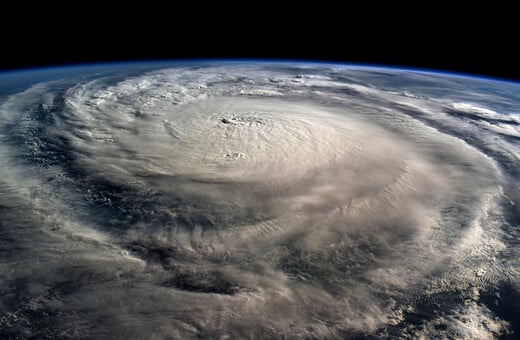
258,200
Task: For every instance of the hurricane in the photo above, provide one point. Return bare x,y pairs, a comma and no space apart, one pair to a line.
255,200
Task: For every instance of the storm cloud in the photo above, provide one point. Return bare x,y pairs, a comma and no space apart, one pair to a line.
259,201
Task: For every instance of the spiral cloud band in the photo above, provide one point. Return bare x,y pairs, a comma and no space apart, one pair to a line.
236,200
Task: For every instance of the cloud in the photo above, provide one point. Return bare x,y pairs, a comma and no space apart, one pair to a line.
239,201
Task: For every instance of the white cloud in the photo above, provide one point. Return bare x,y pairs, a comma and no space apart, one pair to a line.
277,213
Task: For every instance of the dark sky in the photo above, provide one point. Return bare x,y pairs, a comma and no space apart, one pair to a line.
473,46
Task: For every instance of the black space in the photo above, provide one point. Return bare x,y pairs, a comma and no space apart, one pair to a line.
424,39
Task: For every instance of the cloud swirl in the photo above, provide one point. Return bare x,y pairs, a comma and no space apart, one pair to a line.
259,201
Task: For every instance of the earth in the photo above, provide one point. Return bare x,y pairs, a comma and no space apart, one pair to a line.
254,200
